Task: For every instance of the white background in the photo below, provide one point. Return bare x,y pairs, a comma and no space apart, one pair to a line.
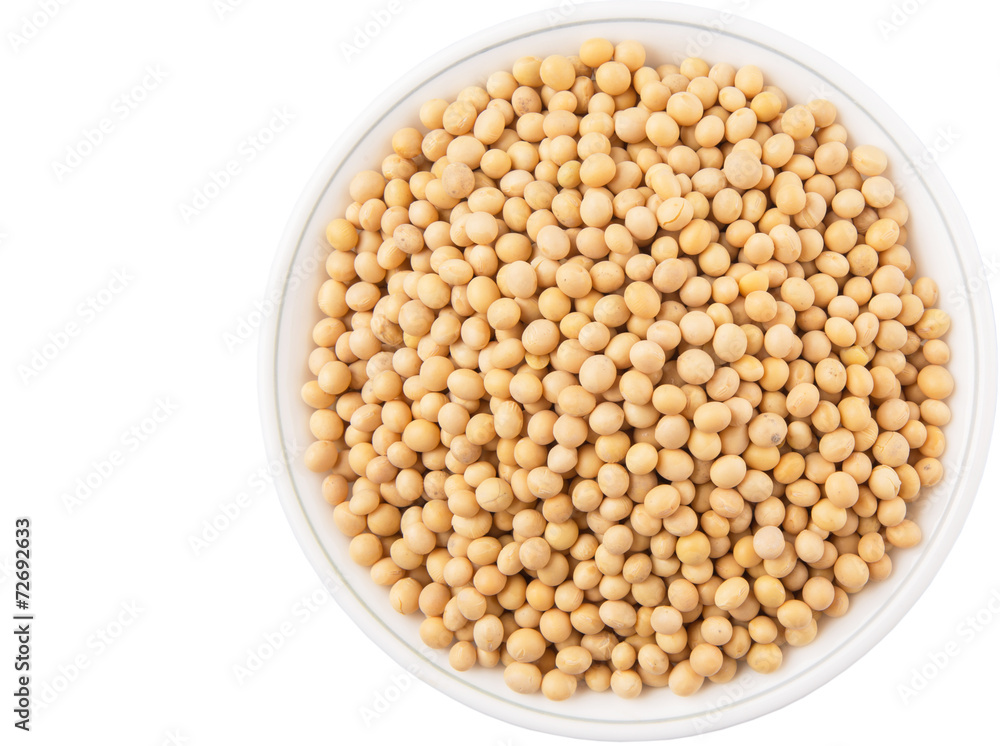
167,674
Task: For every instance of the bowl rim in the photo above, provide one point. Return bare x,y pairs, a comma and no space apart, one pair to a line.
936,546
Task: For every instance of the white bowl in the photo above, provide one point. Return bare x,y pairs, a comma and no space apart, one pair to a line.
941,243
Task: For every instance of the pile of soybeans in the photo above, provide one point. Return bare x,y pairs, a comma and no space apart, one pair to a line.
625,373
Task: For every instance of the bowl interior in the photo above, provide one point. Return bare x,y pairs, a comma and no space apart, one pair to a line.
940,242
